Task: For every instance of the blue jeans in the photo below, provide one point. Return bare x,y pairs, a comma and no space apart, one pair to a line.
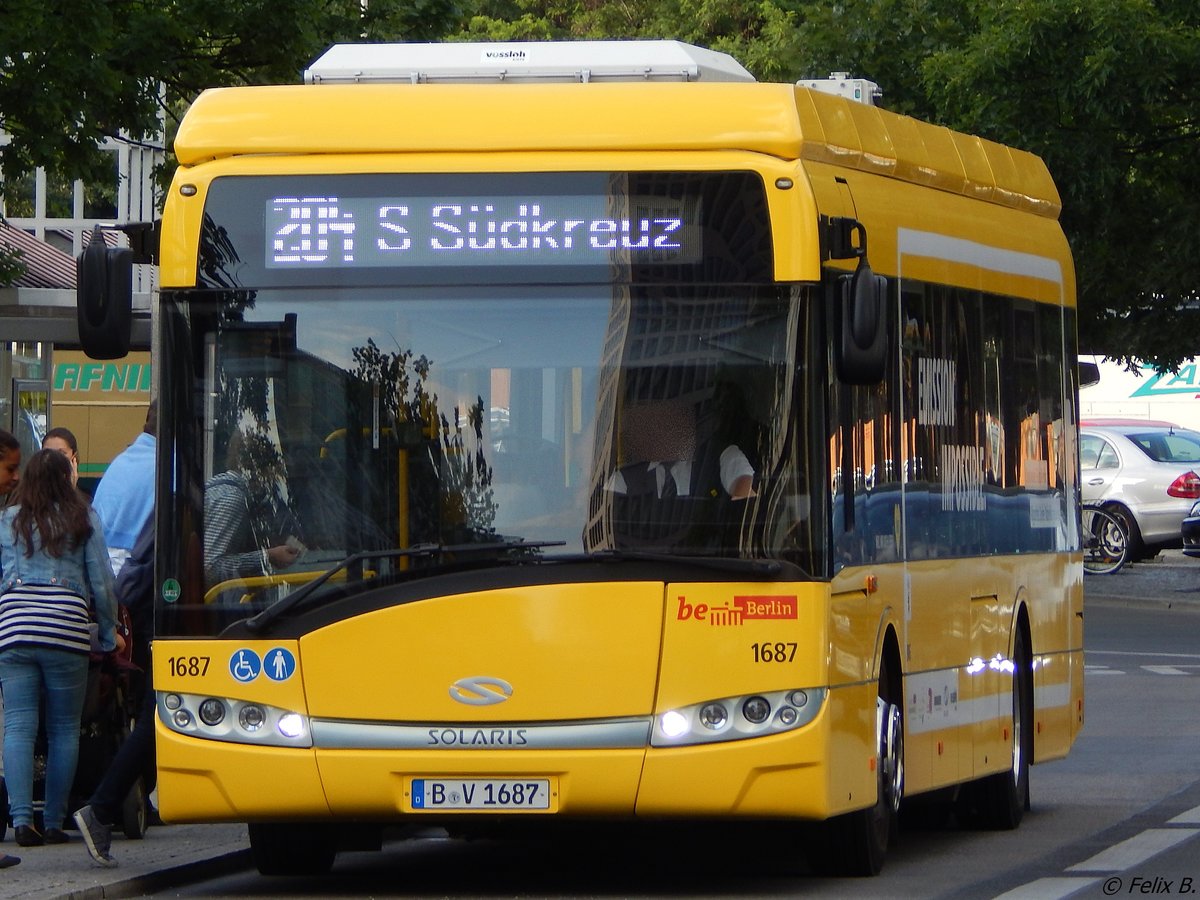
25,673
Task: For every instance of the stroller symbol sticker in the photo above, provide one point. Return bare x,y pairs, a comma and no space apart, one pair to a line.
279,664
245,665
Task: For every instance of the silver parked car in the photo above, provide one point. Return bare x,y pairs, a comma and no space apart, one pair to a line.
1145,473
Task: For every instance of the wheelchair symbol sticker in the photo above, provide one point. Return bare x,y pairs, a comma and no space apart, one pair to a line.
245,665
279,664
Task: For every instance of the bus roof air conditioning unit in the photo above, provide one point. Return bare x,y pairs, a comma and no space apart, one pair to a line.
527,61
841,84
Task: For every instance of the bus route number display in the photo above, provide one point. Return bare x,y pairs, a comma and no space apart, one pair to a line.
308,233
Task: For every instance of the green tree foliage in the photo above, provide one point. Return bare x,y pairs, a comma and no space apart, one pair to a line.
1103,90
74,72
760,35
12,265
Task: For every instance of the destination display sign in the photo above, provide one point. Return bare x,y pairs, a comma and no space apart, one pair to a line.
335,230
338,231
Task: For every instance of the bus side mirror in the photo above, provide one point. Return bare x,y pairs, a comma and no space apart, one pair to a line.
861,313
104,299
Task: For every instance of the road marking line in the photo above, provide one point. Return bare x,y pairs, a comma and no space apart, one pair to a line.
1048,889
1141,653
1191,817
1164,670
1137,849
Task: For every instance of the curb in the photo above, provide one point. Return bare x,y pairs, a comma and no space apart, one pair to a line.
152,883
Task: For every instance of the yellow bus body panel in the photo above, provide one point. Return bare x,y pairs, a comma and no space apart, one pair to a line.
212,781
572,653
586,651
777,120
956,645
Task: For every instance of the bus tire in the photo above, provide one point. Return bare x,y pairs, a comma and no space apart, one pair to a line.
999,801
856,843
293,848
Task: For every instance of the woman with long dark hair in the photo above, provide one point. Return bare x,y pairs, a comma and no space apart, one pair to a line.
54,578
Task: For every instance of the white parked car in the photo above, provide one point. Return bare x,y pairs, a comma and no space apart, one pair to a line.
1147,473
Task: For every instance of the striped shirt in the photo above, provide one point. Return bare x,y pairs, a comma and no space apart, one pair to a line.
45,616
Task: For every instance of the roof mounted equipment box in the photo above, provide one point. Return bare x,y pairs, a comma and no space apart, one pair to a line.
841,84
529,61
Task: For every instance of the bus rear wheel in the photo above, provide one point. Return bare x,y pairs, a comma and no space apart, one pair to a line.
999,801
856,843
293,848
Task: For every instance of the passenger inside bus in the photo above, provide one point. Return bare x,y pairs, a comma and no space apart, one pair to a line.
249,530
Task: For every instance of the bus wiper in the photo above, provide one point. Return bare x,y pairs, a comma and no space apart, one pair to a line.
767,567
260,621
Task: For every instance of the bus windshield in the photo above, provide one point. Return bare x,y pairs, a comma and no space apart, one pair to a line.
527,422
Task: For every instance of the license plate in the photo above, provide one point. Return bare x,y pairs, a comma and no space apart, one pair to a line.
480,794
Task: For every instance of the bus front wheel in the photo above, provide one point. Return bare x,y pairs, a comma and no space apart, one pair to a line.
856,843
293,848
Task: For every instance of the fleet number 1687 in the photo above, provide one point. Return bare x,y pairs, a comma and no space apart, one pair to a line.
188,665
774,651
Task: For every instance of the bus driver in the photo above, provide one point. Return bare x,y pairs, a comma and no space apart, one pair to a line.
659,438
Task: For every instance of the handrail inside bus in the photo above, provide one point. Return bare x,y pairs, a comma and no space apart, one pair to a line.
264,581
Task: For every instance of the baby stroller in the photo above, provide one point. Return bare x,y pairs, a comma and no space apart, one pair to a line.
114,692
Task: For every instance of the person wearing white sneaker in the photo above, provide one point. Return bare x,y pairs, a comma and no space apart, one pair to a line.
135,587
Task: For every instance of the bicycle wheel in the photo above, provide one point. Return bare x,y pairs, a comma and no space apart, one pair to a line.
1105,542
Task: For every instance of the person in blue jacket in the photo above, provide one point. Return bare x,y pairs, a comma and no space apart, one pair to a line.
124,497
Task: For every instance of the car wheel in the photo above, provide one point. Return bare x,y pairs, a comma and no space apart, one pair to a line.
1137,547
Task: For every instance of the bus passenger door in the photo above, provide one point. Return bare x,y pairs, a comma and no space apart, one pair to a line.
988,687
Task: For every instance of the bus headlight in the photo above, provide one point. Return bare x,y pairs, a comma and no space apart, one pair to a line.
291,725
212,712
755,715
251,718
673,724
713,716
234,721
756,710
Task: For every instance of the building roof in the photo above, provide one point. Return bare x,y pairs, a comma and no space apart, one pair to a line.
45,266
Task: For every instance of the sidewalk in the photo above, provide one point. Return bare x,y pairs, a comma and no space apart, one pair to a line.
1170,579
168,855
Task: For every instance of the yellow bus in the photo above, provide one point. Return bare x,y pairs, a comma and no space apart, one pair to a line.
565,432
